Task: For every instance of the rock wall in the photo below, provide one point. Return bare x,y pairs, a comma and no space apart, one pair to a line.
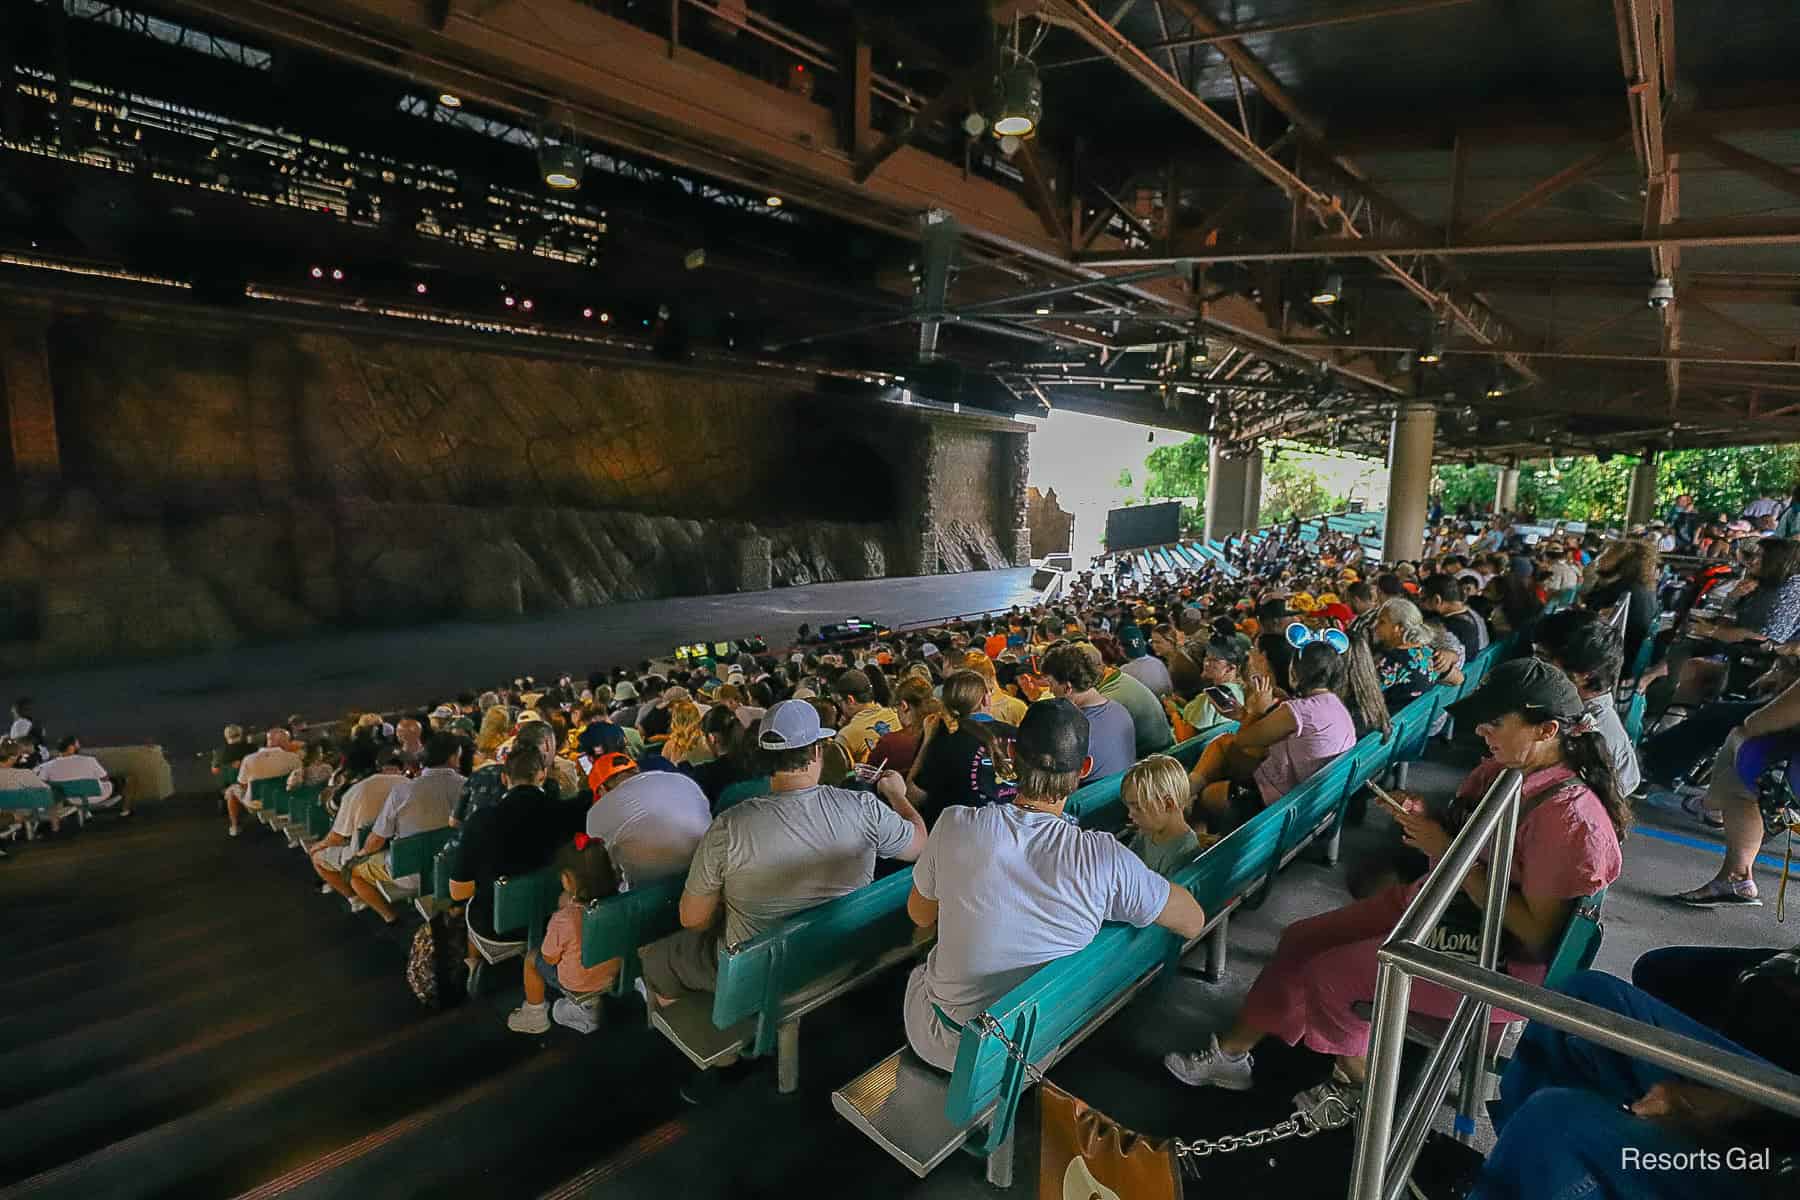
207,485
1052,528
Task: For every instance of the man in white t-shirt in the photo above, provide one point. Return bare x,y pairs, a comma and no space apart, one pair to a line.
71,764
360,804
412,806
14,778
1014,886
274,760
765,859
650,820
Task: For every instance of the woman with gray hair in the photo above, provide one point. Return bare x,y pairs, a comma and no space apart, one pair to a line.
1403,653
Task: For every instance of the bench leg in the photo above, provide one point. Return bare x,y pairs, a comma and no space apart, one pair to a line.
1000,1162
1334,843
1400,777
787,1057
1215,949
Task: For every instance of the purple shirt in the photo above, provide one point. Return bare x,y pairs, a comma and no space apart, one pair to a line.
1324,730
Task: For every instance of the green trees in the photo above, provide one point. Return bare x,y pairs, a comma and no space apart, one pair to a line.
1178,472
1293,488
1721,480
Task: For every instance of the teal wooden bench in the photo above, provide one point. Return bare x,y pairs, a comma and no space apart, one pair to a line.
766,985
307,820
31,804
412,855
522,904
265,794
618,926
78,794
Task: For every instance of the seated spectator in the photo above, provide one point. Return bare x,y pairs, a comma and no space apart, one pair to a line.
1732,791
1157,800
360,804
1591,654
515,836
1566,847
14,778
1442,594
770,857
26,731
273,761
1628,569
1404,654
865,721
1149,665
225,758
587,874
409,738
651,821
1575,1118
730,753
1013,886
1072,674
411,807
913,703
1150,725
1000,704
316,766
496,723
1221,667
956,763
686,744
71,764
488,784
1278,745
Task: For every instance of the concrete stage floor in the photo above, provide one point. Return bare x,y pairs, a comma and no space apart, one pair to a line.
182,703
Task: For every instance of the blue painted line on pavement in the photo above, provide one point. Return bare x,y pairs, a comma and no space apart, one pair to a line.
1694,843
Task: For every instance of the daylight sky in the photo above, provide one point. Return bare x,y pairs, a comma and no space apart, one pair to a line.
1081,457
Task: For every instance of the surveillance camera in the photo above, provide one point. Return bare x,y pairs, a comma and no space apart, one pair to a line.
1662,292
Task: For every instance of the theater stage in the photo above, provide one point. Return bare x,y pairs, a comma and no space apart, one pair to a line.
182,703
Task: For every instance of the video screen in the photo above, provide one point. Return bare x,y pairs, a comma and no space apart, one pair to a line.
721,649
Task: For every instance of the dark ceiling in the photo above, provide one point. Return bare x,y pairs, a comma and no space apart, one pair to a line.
1498,160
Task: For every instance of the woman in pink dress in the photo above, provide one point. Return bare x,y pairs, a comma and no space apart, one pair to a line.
1571,818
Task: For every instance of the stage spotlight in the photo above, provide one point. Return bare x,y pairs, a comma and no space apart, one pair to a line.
318,272
449,100
562,163
1019,100
1331,291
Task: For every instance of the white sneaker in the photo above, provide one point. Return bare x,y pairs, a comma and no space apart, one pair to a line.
529,1018
1211,1067
570,1015
325,889
359,905
231,832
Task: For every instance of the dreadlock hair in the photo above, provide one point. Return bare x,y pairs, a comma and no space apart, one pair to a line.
1362,682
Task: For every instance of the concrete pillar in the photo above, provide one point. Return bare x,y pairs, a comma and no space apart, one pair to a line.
1640,501
1409,480
1506,497
1253,471
1224,494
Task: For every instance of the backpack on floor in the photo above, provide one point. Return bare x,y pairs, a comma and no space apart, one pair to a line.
434,969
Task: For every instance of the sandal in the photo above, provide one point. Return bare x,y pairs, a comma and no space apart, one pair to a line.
1695,807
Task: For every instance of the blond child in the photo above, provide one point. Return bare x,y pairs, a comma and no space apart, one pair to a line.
587,874
1156,795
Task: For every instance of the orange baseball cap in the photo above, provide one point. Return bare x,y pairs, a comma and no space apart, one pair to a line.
607,766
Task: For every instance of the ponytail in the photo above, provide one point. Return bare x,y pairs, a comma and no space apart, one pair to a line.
1585,753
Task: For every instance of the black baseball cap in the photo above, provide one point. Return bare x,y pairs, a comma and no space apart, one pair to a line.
1530,687
1052,737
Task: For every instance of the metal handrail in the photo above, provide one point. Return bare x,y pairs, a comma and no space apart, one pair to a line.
1384,1158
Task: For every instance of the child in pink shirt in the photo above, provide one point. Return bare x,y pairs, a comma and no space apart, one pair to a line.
587,874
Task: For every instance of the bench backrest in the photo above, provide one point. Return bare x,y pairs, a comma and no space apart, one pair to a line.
29,799
1634,717
77,789
859,927
1580,941
413,854
618,925
269,792
525,903
1097,804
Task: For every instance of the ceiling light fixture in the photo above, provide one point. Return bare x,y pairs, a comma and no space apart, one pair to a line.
1496,385
561,161
773,202
1018,100
449,100
605,317
420,288
1662,292
526,305
1331,291
588,313
318,272
1433,349
337,274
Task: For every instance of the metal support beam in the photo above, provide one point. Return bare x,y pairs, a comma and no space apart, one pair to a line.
1369,12
960,87
1782,178
1544,188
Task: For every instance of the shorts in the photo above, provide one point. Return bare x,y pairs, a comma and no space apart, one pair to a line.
333,858
682,963
373,870
547,972
926,1033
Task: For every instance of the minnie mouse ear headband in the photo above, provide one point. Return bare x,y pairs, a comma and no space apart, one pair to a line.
1299,635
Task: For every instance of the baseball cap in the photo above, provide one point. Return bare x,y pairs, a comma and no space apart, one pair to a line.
1530,687
928,650
607,766
625,691
791,725
1052,737
529,715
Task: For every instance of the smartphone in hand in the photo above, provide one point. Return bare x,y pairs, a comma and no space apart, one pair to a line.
1382,795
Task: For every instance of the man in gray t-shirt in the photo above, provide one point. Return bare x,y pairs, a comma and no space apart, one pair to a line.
1014,886
1074,676
765,859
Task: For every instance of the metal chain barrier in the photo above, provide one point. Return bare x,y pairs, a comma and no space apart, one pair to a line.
1332,1112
